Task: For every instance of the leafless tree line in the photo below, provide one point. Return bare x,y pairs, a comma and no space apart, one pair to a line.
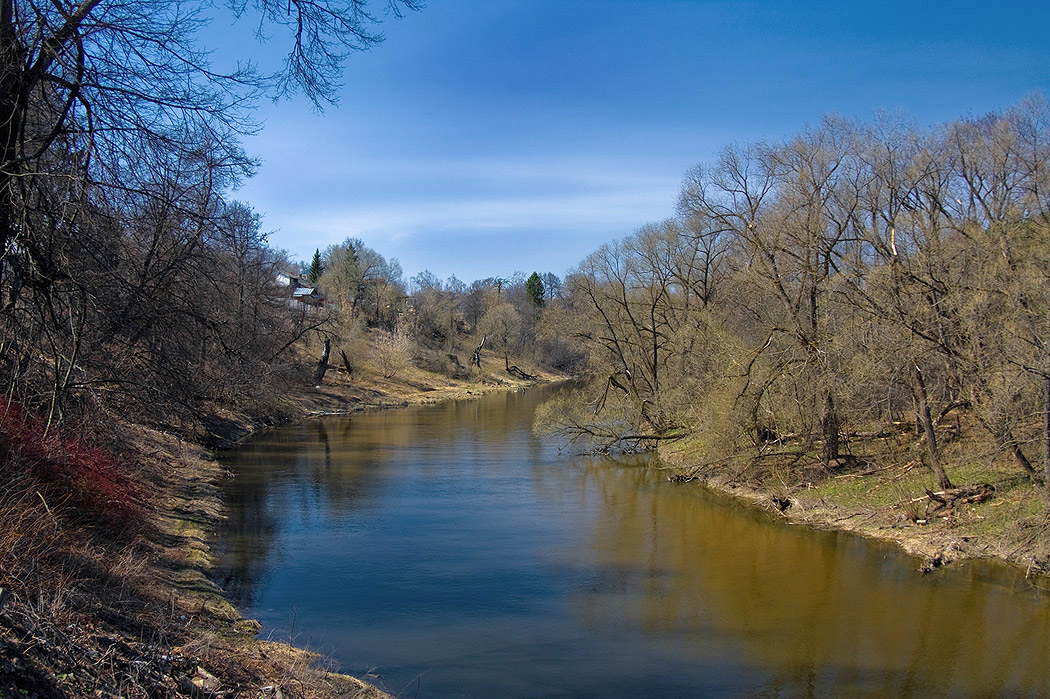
851,276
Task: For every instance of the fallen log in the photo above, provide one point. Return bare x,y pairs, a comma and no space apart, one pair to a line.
515,371
948,498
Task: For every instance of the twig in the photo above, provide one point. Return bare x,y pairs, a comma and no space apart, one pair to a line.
45,502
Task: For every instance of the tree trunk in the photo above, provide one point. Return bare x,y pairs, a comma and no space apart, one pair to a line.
1006,440
11,53
322,366
656,351
1020,458
346,363
829,428
1046,430
926,420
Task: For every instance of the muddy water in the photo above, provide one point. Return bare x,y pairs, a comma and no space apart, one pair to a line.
449,552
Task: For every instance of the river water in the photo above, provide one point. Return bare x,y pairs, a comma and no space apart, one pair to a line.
449,552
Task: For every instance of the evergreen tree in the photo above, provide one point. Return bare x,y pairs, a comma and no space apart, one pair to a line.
316,268
534,290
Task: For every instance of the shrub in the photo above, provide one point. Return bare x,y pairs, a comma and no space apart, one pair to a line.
391,352
68,473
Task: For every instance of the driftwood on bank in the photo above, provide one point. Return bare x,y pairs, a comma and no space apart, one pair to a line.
948,498
515,371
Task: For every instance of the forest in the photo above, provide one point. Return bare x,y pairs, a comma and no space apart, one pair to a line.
851,280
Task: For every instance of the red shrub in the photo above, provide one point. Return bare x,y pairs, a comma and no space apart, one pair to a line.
71,473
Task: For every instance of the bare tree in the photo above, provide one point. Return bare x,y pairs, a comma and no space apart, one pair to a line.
502,324
118,144
782,206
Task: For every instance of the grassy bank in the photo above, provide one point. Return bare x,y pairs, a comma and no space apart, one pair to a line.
884,491
124,606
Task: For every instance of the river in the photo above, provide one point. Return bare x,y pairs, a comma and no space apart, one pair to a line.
447,551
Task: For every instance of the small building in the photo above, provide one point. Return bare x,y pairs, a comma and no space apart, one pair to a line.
308,295
295,281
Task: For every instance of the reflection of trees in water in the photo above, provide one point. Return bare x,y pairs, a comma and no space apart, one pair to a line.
818,612
330,467
342,473
246,536
314,469
813,615
492,418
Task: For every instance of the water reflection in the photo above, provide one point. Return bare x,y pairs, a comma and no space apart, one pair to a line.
825,611
451,547
279,473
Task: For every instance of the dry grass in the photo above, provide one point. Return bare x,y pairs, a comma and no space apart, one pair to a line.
93,611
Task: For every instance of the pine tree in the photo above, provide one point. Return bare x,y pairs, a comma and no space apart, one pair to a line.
316,268
534,290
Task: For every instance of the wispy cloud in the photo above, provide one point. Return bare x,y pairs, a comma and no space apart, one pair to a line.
621,210
571,203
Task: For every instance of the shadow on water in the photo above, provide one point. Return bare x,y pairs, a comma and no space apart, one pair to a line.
454,552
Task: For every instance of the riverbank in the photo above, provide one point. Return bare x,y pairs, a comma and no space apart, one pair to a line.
129,609
886,493
341,394
144,617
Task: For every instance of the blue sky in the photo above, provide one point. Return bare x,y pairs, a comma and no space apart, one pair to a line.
485,137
